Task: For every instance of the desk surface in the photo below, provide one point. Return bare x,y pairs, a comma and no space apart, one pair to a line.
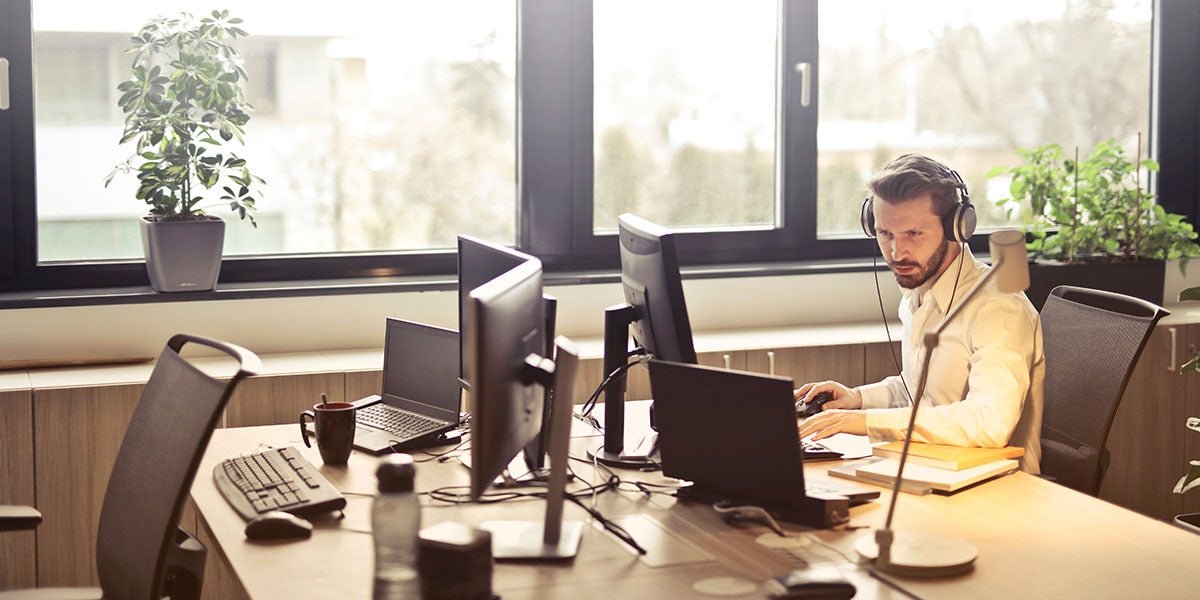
1035,539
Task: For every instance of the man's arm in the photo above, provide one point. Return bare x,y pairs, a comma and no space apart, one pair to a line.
1002,335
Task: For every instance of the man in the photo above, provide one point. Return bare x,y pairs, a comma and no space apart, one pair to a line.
985,376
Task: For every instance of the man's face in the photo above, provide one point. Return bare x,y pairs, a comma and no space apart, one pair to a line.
911,239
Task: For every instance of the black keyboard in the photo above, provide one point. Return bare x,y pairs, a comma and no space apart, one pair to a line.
393,420
275,479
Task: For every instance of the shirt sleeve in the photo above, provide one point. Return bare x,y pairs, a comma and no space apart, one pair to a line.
1001,335
887,393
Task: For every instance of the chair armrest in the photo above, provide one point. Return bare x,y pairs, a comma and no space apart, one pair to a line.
19,518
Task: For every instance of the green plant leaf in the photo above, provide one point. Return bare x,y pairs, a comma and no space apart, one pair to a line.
1192,293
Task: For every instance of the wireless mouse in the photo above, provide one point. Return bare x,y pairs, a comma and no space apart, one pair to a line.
278,525
805,410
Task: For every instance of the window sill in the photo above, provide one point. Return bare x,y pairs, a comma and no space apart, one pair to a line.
381,285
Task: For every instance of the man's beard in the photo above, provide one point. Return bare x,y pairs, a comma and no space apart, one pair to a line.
924,272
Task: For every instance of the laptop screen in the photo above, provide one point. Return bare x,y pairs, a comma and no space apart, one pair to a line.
731,434
420,369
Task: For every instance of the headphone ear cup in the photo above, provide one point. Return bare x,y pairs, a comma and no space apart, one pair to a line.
959,225
867,218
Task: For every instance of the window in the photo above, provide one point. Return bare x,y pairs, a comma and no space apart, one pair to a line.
354,114
684,124
383,130
971,82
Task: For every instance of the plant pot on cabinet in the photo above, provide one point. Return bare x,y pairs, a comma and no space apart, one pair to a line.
183,256
1143,279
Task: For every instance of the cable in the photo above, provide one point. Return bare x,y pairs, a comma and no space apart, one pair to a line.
887,330
586,410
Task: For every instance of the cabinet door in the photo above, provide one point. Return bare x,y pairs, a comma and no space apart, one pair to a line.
639,376
279,399
843,364
77,434
17,567
1146,442
881,361
1191,347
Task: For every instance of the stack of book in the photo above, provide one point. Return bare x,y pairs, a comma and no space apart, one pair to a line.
932,467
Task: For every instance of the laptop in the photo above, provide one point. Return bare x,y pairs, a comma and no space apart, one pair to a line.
733,435
420,397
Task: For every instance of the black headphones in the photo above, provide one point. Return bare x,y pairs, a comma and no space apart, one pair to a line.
958,224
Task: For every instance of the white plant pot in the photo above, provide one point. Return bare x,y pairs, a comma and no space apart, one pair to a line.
183,256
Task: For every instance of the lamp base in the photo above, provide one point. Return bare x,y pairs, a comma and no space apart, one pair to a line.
920,555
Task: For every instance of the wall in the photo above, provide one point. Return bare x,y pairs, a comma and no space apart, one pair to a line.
278,325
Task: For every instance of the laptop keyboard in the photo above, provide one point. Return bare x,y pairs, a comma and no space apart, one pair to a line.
816,451
392,420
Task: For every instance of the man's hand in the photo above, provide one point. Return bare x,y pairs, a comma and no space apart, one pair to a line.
830,422
843,397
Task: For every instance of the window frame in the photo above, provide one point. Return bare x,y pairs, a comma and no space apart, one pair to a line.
554,157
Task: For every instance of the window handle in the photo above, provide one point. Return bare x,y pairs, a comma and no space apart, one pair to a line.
3,83
805,71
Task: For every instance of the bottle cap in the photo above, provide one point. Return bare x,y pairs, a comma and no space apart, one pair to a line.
395,473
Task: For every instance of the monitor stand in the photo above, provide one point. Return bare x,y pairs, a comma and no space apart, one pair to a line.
612,451
552,538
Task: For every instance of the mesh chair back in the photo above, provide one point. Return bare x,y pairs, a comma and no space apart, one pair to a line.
1093,340
153,473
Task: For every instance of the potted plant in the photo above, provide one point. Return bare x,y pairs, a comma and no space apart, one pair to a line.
183,105
1094,216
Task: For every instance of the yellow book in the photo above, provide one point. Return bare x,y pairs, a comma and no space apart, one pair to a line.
953,458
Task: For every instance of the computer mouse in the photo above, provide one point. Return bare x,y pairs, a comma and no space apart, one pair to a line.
813,582
278,525
805,410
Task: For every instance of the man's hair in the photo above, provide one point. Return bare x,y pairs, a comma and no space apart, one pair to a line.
912,175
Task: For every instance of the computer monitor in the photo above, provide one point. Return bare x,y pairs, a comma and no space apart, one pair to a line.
480,261
654,312
509,373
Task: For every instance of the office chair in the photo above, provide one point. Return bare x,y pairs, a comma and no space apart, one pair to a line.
1093,340
140,551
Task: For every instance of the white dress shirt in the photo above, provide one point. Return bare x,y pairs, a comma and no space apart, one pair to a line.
985,376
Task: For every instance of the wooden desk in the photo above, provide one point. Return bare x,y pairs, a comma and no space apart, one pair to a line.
1036,540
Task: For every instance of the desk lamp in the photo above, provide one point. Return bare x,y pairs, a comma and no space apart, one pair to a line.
926,555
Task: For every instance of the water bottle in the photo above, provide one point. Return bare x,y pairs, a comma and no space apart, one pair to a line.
396,521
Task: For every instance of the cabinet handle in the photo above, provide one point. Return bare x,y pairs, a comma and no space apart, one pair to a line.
771,362
1171,365
725,357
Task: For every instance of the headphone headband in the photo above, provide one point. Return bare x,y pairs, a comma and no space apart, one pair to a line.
958,224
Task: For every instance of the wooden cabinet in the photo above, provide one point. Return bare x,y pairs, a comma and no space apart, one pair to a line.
843,364
1149,446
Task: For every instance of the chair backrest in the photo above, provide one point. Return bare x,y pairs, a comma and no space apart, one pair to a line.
1093,340
155,466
